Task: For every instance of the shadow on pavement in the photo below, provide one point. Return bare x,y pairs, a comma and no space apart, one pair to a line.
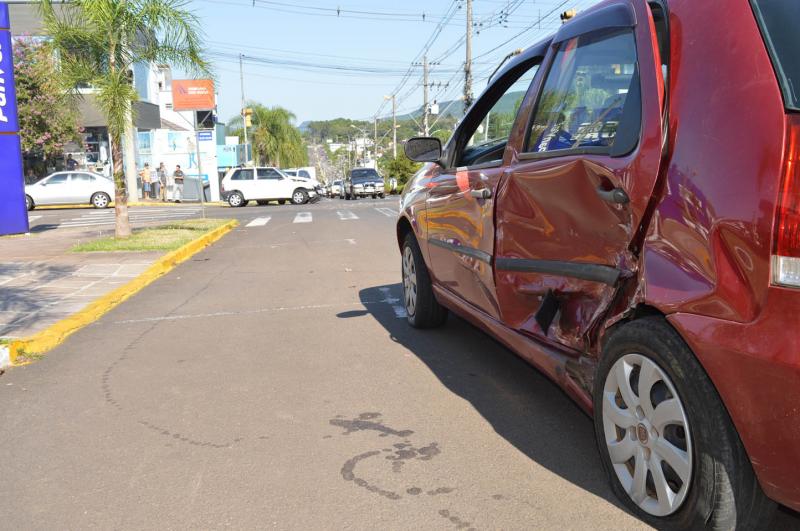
522,406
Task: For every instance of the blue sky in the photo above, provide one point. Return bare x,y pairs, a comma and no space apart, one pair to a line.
376,47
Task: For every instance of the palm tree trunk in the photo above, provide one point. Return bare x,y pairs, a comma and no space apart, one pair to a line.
122,221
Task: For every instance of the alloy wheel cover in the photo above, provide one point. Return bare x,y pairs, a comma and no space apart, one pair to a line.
409,281
647,435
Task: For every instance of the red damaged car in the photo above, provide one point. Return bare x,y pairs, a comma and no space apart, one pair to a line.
621,208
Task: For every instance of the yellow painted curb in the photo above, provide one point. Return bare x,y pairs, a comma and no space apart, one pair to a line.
54,335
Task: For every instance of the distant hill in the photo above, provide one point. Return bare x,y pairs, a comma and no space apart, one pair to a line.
455,108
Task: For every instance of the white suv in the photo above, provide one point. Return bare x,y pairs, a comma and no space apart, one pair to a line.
264,184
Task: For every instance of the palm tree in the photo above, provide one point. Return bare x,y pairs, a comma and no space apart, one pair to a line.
275,140
98,42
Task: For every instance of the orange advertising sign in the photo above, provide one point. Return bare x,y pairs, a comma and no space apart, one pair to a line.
193,94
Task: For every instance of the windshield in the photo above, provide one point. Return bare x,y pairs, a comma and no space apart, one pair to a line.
778,22
363,175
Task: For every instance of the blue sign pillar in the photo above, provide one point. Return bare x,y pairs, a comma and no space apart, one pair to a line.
13,212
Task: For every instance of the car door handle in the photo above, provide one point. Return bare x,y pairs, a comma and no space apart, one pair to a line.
483,193
617,195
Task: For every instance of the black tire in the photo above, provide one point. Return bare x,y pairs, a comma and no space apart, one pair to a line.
382,196
100,200
299,197
374,196
236,200
29,204
723,492
426,312
262,202
281,201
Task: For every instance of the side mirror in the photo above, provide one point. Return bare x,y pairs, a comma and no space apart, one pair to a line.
424,149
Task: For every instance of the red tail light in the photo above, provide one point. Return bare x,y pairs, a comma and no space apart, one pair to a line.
786,259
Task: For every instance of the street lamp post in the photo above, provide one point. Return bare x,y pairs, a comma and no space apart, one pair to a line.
394,123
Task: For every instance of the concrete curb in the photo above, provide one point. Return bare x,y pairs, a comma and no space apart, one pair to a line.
58,332
132,204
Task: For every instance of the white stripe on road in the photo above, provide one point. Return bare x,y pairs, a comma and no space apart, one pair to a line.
346,214
303,217
399,311
259,222
388,212
33,218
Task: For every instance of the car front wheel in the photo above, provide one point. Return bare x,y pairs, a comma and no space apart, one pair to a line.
100,200
422,308
236,199
666,441
29,204
299,196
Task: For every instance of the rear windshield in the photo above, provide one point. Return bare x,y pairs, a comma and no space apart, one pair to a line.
778,20
365,175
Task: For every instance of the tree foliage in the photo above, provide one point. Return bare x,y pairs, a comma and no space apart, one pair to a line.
99,41
401,168
48,117
275,140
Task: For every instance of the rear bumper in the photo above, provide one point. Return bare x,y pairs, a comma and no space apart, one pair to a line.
756,369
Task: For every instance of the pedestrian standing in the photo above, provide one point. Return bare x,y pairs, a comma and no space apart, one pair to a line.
71,163
146,178
178,176
162,181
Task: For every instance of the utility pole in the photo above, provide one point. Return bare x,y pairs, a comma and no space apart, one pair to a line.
394,126
375,142
468,62
244,105
425,108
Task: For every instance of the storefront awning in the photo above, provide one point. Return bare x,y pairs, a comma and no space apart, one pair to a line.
147,115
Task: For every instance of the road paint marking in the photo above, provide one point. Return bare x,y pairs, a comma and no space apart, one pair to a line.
248,312
303,217
259,222
399,311
33,218
388,212
346,214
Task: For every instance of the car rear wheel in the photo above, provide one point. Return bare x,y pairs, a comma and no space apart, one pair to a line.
262,202
100,200
29,204
299,197
666,441
422,308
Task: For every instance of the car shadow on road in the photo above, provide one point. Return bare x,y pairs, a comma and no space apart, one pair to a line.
522,406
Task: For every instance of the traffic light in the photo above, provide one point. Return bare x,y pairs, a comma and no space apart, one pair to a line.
248,117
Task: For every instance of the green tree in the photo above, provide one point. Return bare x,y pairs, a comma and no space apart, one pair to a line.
48,117
401,168
275,140
99,41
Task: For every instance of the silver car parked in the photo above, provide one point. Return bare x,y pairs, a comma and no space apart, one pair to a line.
70,187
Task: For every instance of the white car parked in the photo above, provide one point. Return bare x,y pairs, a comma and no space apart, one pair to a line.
336,188
264,184
70,187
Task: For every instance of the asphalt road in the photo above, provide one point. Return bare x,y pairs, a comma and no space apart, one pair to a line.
271,382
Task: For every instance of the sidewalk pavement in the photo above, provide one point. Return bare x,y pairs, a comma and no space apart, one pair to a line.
41,282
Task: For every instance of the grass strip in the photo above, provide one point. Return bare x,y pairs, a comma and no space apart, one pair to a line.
166,237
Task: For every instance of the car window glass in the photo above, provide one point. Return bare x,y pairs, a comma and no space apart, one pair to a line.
488,139
268,173
57,179
82,177
585,92
242,175
304,173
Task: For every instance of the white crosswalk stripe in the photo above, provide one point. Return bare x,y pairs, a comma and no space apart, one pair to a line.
346,214
303,217
259,222
106,217
388,212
